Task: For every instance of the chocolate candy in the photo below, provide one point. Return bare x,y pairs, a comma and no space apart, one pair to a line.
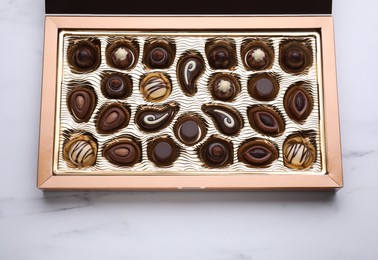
298,103
81,103
227,119
221,54
295,56
112,118
257,56
155,118
116,86
123,152
190,129
216,152
266,120
122,55
224,87
155,87
298,152
159,54
263,87
258,153
84,56
189,68
162,151
80,151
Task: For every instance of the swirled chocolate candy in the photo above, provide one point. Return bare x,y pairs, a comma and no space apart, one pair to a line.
227,119
189,68
84,56
190,129
298,152
163,151
224,87
295,56
257,56
155,87
298,103
81,103
159,54
263,87
266,120
221,54
116,86
216,152
122,55
155,118
80,151
258,153
112,118
122,151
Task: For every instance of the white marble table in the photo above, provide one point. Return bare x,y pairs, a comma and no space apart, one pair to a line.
187,225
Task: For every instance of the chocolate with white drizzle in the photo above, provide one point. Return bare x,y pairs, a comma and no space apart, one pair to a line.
227,119
298,152
80,151
155,118
189,69
155,87
298,103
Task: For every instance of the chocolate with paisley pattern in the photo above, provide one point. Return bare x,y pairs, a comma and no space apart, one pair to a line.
155,118
189,68
226,119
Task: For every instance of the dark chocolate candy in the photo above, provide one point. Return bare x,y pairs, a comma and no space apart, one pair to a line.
227,119
258,153
257,55
216,152
123,151
224,87
295,56
189,69
298,103
155,87
81,103
84,56
221,55
298,152
263,87
112,118
162,151
122,55
155,118
190,129
266,120
159,54
116,86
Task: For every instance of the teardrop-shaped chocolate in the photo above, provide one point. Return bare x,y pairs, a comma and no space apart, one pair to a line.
298,103
227,119
81,103
258,152
190,67
154,118
266,120
112,118
123,151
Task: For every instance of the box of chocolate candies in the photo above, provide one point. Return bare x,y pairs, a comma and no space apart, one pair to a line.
184,99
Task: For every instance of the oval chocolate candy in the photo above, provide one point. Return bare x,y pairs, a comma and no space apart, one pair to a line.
298,103
81,103
258,153
154,118
266,120
112,118
123,151
80,151
227,119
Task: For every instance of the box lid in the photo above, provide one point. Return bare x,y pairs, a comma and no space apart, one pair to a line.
201,7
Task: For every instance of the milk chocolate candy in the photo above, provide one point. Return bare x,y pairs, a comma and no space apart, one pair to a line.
298,152
295,56
266,120
116,86
84,56
155,87
123,152
258,153
81,102
257,55
122,54
112,118
298,103
80,151
224,87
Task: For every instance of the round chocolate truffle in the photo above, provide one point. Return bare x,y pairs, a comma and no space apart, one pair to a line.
298,152
122,151
116,86
155,87
190,129
221,55
84,56
257,58
216,152
263,87
159,54
121,55
295,56
224,87
159,57
162,151
80,151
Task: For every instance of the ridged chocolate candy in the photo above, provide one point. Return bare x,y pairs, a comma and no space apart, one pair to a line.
298,152
216,152
298,103
227,119
155,118
190,67
123,151
81,103
258,153
266,120
112,118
